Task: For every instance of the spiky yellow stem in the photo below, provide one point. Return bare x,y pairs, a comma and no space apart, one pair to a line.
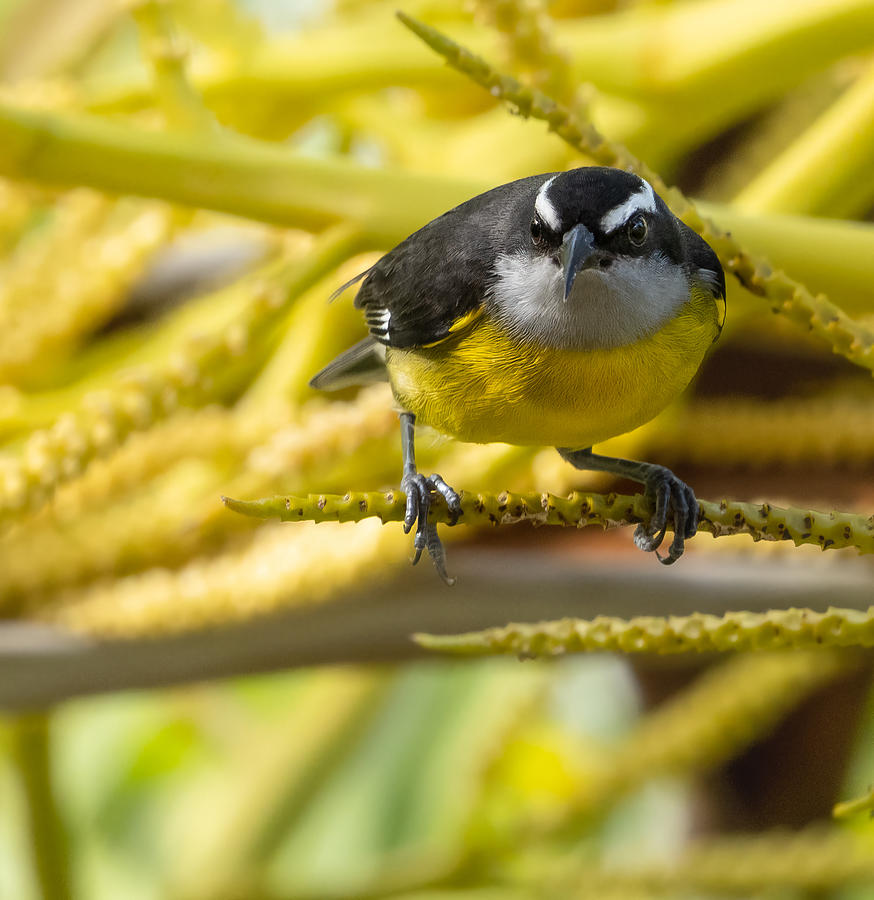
762,521
700,632
815,312
191,377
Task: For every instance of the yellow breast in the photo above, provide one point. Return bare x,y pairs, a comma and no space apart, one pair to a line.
480,386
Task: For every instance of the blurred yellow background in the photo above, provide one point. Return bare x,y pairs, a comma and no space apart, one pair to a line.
182,186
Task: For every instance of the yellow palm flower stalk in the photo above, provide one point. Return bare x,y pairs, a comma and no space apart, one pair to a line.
699,632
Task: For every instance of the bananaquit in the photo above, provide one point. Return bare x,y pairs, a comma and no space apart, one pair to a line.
561,310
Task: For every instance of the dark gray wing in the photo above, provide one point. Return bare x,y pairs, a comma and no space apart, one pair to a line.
705,268
417,293
702,260
362,364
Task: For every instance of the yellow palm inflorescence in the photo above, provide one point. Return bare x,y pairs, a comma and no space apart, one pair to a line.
174,214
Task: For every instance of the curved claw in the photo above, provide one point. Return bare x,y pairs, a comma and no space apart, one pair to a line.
418,504
671,500
438,555
649,537
674,499
418,489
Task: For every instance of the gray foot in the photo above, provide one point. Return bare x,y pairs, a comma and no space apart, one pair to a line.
673,500
418,489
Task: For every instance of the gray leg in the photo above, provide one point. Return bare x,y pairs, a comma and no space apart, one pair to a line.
418,489
669,496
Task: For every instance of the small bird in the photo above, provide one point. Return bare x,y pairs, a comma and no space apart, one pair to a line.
561,309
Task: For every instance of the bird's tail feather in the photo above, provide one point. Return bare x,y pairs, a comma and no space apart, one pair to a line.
362,364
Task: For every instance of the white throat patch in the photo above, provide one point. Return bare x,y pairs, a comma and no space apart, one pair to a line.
610,308
544,208
640,201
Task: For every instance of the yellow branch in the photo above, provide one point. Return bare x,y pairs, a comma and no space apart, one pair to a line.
192,376
814,860
756,434
270,183
278,569
817,313
163,48
238,175
829,530
848,808
52,293
527,30
772,630
827,169
153,502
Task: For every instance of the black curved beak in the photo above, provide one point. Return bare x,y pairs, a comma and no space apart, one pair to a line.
577,249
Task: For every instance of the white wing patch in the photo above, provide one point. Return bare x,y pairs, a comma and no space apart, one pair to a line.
378,319
544,208
640,201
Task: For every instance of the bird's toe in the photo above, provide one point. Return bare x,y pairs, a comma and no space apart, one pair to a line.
450,495
674,501
419,489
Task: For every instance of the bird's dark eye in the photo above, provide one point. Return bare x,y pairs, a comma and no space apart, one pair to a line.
537,231
637,230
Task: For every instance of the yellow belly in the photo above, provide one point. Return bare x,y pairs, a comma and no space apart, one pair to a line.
480,387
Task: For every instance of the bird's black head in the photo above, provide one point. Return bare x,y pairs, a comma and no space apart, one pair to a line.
591,217
594,258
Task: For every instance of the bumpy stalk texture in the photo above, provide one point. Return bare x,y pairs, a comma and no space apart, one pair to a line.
847,337
831,530
699,632
119,565
145,397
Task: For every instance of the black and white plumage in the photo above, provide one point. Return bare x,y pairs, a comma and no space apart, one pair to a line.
415,293
561,308
448,269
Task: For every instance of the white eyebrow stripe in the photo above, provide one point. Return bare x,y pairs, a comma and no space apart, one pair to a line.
640,201
544,208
